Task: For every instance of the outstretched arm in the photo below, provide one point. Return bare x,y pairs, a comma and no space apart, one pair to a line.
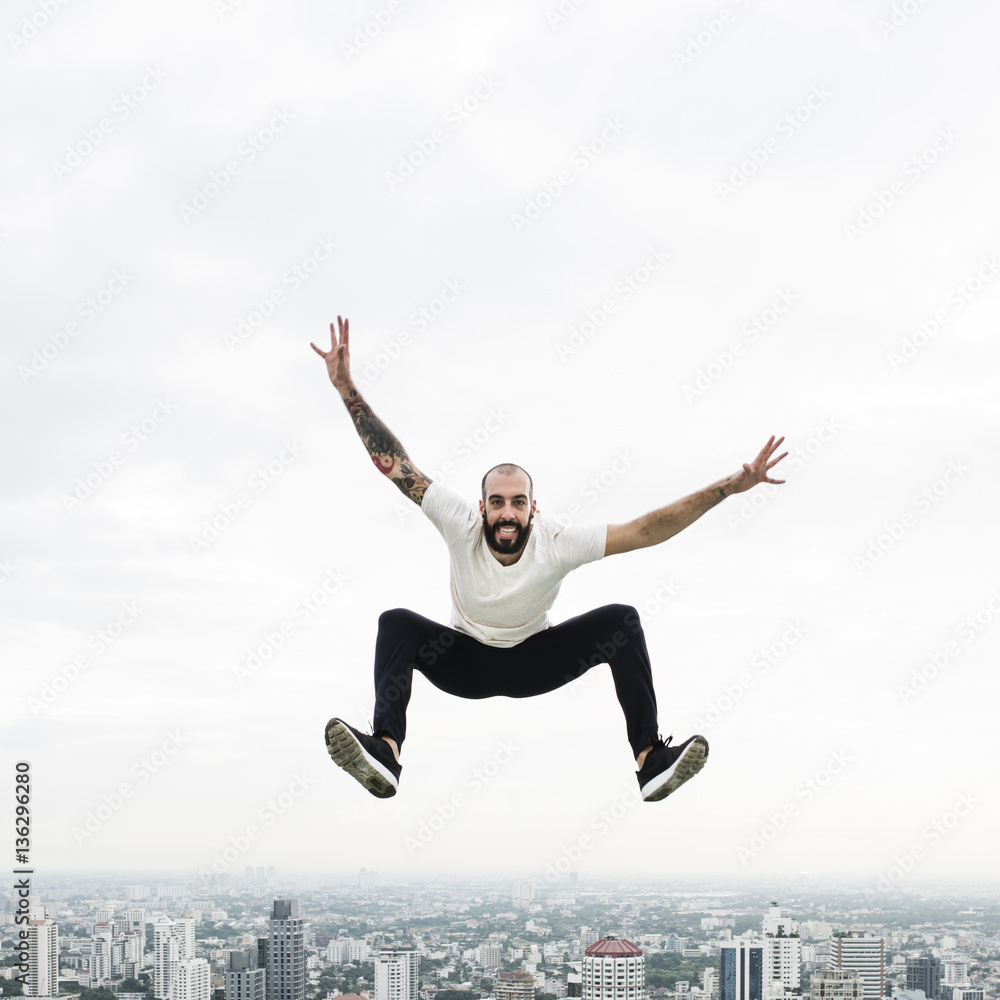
659,525
386,452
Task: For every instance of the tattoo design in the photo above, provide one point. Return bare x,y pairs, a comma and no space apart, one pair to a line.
385,449
411,482
377,438
722,492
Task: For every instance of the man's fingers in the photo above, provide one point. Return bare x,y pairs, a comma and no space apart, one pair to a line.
322,354
777,460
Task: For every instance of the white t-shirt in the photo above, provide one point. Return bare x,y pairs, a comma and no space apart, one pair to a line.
502,605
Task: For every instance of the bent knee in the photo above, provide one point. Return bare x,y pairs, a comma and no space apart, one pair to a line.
395,616
622,611
624,616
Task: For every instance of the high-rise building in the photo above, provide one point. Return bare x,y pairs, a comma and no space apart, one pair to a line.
613,969
955,971
836,984
173,942
286,952
710,981
783,962
101,946
43,958
741,970
516,986
165,956
863,952
133,945
491,954
244,979
338,951
924,974
184,932
522,893
367,880
191,980
397,972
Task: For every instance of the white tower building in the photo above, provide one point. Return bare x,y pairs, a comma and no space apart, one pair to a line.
165,956
783,962
396,974
191,980
43,958
613,969
864,953
491,954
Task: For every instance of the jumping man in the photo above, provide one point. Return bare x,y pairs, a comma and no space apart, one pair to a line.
506,569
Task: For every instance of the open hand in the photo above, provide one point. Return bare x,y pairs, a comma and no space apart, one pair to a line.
338,358
757,471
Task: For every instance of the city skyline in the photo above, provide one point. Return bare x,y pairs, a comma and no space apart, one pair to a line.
569,941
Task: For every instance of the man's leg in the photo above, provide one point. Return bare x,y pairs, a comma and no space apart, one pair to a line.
406,642
611,634
450,659
460,665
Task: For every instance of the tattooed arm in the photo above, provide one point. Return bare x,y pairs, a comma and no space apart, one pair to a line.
659,525
386,452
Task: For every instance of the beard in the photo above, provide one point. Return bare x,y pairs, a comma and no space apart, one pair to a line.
504,545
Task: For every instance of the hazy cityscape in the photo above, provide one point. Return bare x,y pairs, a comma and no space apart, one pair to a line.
264,935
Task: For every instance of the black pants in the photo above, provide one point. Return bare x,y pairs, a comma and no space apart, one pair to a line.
461,665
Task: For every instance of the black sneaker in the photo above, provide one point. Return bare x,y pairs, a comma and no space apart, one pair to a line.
666,768
368,758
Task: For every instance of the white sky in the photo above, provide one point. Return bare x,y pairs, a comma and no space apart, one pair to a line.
902,119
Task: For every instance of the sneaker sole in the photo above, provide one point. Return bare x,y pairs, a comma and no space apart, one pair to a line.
684,768
348,753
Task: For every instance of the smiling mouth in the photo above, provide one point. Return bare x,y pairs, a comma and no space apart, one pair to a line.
507,531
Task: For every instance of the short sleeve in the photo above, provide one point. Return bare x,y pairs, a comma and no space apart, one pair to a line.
580,544
450,513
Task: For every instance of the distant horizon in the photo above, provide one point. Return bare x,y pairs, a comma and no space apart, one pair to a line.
691,884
